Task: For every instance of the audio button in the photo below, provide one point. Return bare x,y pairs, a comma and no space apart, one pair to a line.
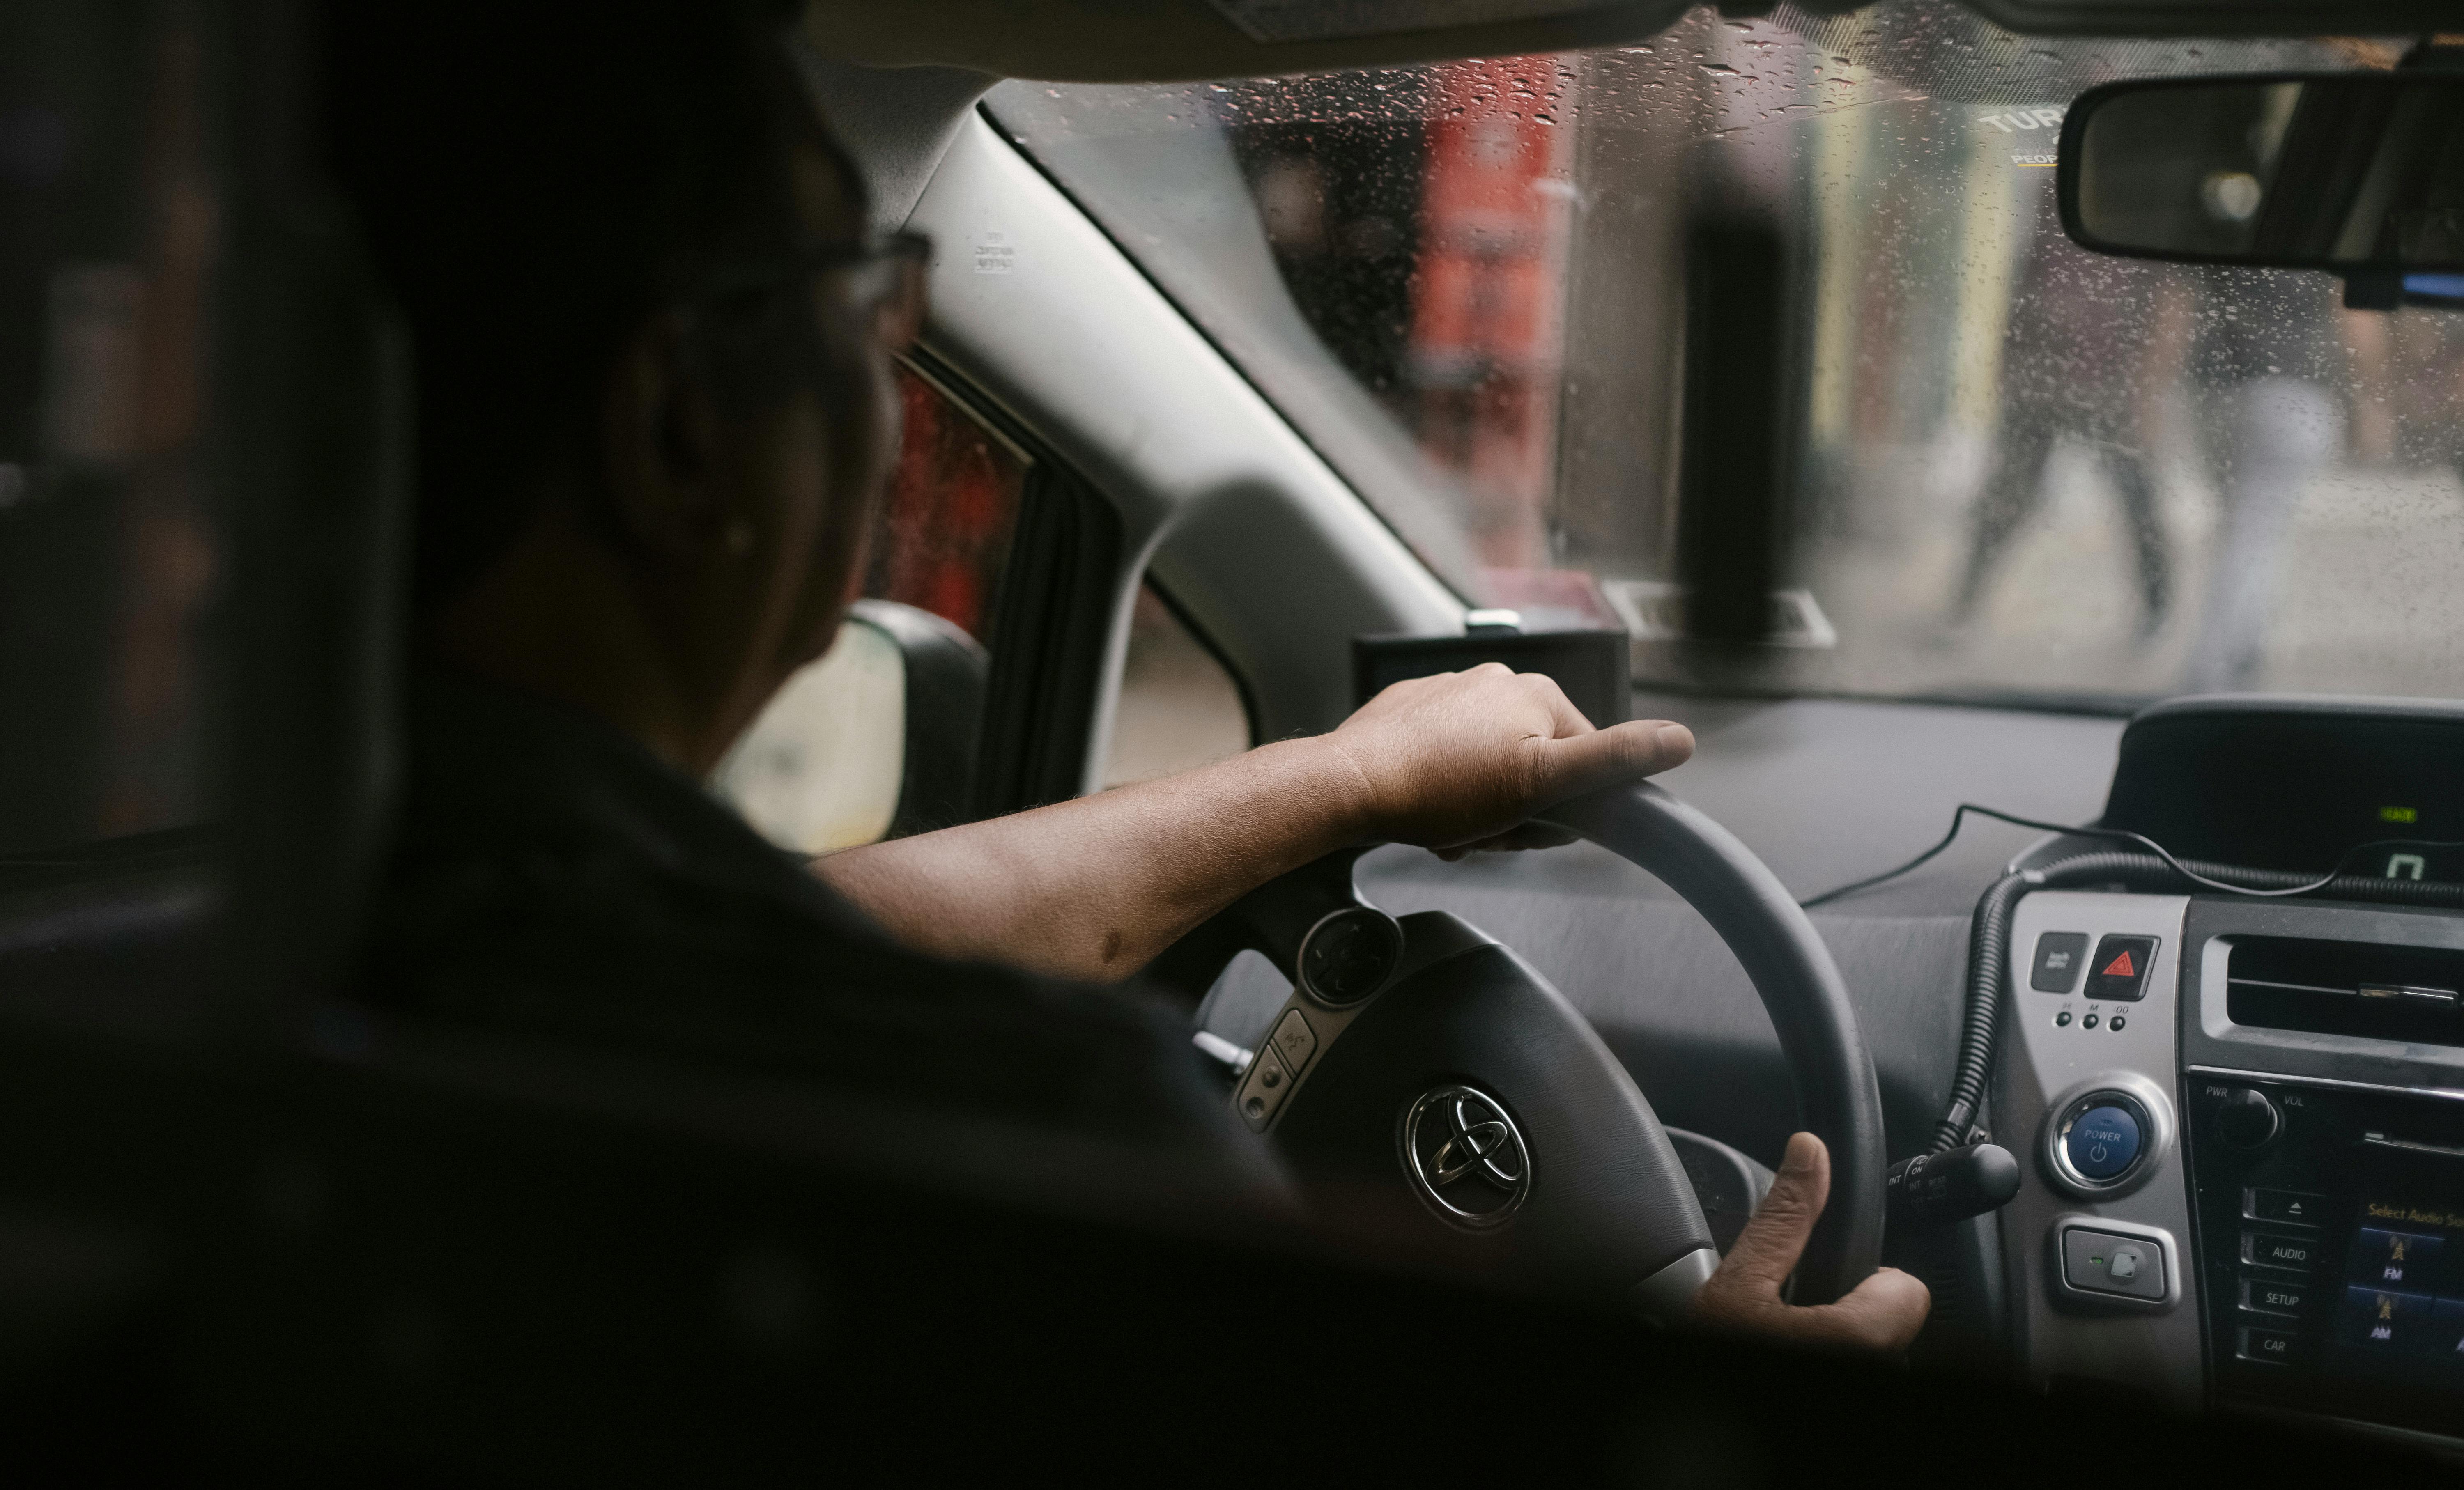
2267,1250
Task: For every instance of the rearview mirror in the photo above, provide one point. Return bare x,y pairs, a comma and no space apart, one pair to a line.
2358,173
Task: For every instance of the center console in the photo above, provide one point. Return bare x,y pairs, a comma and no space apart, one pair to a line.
2322,1053
2245,1117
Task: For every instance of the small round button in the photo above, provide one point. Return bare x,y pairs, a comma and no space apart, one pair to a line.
2102,1142
2247,1119
2117,1022
2088,1023
1349,955
2062,1021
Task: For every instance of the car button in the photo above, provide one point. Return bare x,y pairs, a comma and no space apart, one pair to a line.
2272,1345
2102,1142
2118,970
2058,955
2273,1296
1295,1041
2392,1260
2268,1250
2292,1207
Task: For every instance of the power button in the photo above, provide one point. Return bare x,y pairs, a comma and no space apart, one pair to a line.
2101,1141
2104,1142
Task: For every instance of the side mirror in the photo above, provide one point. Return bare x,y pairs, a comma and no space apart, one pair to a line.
2362,175
878,740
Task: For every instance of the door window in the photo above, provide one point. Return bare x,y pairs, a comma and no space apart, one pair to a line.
1178,705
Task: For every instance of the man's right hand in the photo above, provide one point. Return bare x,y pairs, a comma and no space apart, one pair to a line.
1882,1313
1456,761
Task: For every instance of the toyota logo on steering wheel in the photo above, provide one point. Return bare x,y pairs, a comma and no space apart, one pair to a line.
1465,1156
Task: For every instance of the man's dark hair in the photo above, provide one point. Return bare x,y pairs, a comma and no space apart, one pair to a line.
534,179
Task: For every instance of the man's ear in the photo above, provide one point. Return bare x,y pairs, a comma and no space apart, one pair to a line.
659,447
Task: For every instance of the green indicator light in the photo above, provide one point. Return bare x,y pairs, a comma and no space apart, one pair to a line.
2398,815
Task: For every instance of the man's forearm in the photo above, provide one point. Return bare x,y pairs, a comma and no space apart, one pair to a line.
1096,887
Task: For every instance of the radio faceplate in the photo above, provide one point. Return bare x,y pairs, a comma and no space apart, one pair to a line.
2330,1245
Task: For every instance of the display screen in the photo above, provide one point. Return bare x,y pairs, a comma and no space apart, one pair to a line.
2299,787
2401,1309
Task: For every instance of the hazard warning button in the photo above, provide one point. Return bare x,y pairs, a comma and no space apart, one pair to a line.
2118,970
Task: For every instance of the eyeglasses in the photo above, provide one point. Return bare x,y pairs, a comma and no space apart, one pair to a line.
880,280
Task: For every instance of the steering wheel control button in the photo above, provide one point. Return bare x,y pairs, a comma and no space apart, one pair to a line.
1464,1156
2274,1296
2058,955
2246,1120
2132,1267
2274,1346
1294,1040
2267,1249
2285,1207
1262,1094
1349,955
2102,1143
2118,972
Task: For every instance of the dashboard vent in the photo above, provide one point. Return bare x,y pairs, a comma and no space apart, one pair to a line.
2368,989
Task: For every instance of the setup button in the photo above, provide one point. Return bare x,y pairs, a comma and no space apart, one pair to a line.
2274,1296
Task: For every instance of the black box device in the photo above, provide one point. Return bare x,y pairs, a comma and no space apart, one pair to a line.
1592,667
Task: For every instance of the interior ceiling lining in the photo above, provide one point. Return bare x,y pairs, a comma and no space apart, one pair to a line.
1193,40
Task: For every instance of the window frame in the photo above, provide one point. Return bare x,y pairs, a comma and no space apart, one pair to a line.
1051,616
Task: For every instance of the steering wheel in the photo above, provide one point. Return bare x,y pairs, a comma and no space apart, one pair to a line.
1433,1093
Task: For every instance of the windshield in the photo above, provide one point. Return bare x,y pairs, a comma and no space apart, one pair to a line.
2007,466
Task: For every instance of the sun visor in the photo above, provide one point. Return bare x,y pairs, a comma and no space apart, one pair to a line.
1189,40
1192,40
2220,18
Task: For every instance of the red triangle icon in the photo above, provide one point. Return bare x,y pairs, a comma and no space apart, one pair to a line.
2120,967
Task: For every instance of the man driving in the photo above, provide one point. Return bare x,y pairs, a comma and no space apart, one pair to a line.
654,352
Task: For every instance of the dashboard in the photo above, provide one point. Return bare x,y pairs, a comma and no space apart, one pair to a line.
2240,1120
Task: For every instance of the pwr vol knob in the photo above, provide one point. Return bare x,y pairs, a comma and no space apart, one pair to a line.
2246,1120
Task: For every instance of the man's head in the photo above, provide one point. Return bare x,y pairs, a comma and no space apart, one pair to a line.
653,416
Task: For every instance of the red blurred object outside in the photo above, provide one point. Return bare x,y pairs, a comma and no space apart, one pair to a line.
946,523
1489,298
